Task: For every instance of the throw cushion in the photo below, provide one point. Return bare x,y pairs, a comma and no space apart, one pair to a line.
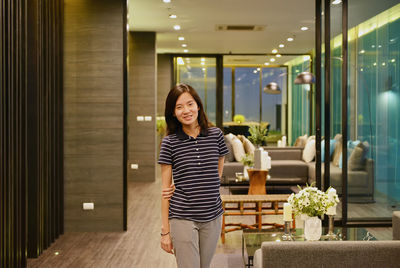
309,151
350,147
248,146
356,159
337,153
301,141
238,149
241,138
332,143
229,157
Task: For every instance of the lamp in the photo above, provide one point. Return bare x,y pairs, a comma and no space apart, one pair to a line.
305,78
272,88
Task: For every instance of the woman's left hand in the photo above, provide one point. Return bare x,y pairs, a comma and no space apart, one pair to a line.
168,192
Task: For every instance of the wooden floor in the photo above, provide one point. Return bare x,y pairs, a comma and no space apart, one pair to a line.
139,246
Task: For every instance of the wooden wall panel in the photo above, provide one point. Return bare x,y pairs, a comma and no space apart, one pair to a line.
94,113
164,83
142,102
31,170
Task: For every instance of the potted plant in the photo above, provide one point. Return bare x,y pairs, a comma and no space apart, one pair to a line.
258,134
248,162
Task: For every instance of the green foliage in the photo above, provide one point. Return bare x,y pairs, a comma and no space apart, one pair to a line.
258,134
161,126
247,160
239,118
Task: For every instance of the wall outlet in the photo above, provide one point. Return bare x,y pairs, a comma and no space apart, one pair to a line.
134,166
88,206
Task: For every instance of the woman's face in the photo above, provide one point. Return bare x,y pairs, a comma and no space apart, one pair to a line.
186,110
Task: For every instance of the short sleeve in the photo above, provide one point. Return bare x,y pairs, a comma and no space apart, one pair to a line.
222,149
165,156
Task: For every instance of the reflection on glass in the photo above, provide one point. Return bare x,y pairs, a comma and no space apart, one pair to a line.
373,111
200,73
247,93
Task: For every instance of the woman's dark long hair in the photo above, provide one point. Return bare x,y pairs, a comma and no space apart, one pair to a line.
173,125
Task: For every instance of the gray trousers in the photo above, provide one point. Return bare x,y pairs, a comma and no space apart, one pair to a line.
195,242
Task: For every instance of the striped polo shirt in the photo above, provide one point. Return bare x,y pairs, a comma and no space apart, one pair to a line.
195,172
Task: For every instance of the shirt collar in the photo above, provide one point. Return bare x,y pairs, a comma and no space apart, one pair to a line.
183,136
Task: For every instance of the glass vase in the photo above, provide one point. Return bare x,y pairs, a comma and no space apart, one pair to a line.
312,228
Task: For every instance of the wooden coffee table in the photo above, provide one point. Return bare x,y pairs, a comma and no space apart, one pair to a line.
259,205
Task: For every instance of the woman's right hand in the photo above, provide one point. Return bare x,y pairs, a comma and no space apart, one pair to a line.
166,243
168,192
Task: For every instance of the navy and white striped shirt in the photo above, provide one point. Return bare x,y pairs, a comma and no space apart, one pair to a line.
195,171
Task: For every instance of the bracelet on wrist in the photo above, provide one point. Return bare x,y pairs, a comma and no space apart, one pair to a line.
164,234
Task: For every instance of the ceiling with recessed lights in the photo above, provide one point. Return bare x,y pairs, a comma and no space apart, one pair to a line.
256,26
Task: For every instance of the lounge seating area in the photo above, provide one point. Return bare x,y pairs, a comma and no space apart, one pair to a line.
295,165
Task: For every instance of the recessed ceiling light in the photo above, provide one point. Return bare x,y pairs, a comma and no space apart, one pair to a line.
383,63
336,2
202,59
374,64
258,69
393,60
167,1
177,27
186,50
290,39
267,63
255,71
274,51
272,60
180,61
304,28
281,45
373,46
184,45
278,55
203,69
172,16
181,38
202,63
362,51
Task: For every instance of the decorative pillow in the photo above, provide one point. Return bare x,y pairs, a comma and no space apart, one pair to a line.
351,145
229,157
332,143
248,146
310,138
238,149
356,159
338,137
241,138
309,151
337,152
301,141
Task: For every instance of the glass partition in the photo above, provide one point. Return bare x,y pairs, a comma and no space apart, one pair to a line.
373,123
200,73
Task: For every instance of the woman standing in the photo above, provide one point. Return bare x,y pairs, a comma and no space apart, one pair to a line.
193,154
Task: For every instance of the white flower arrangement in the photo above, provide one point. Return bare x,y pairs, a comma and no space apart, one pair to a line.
313,202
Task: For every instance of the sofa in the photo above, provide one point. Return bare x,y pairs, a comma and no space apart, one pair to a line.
292,166
287,167
331,253
360,183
